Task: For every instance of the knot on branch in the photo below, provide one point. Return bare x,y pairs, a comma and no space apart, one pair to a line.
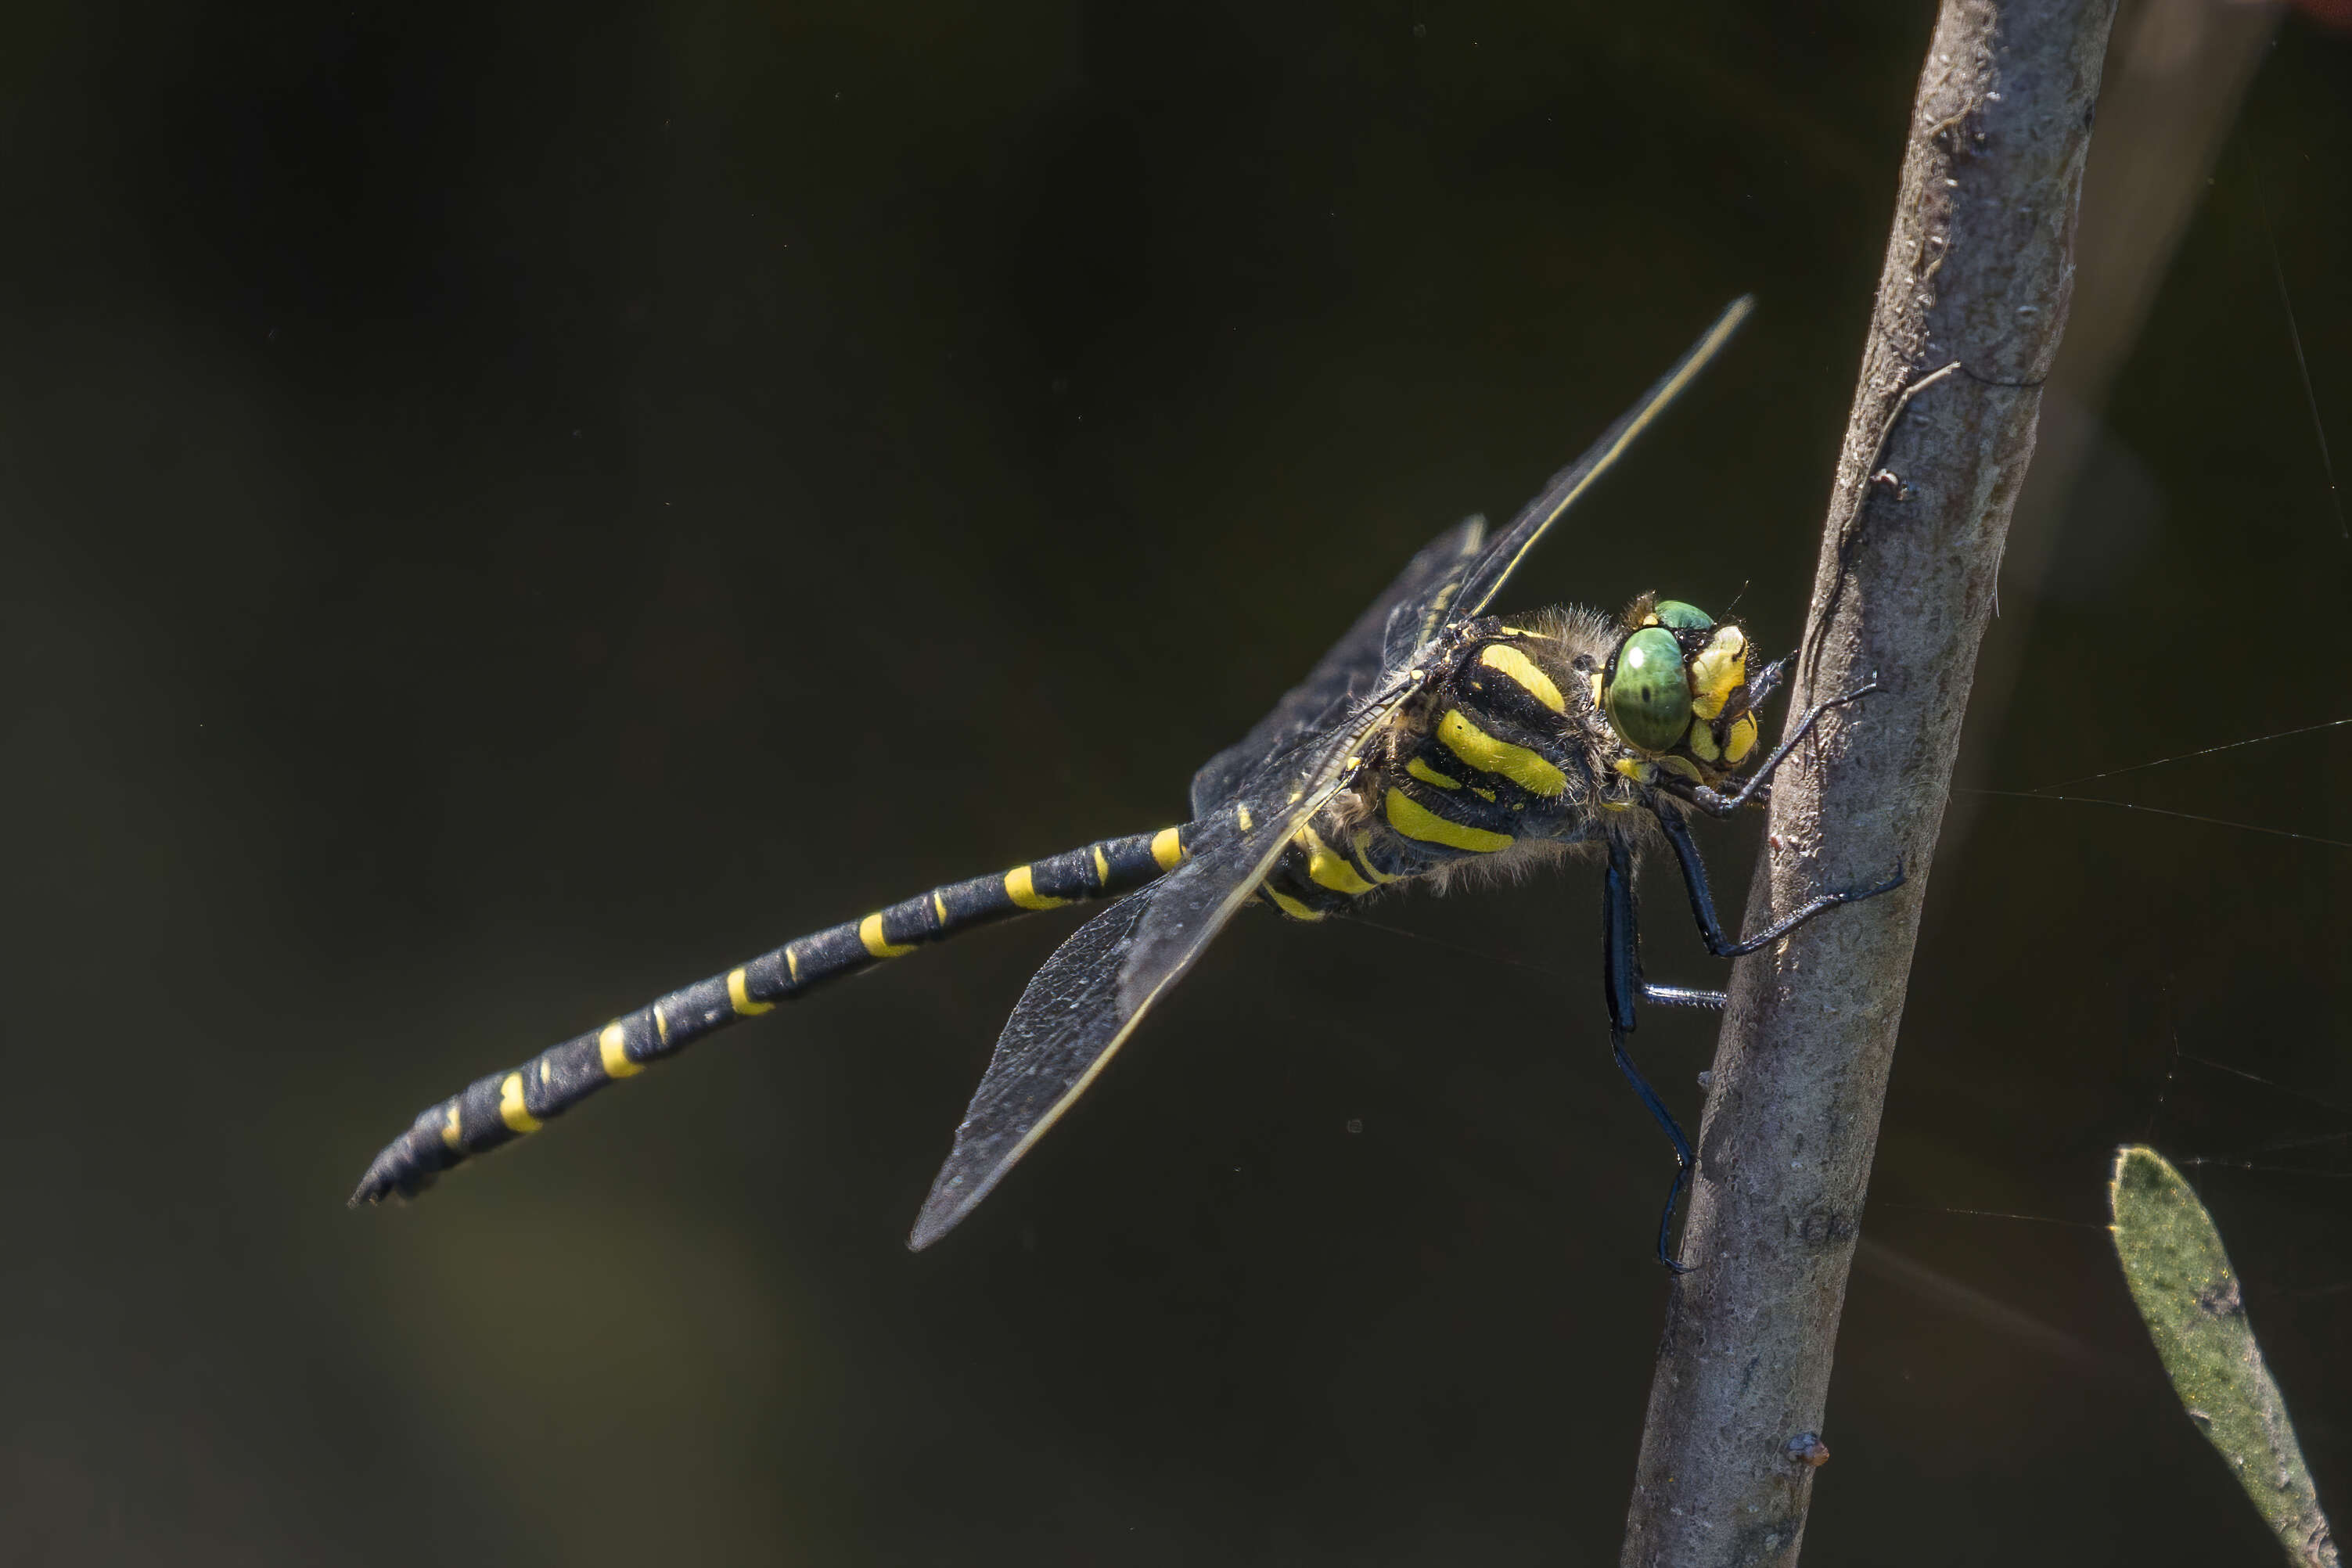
1808,1449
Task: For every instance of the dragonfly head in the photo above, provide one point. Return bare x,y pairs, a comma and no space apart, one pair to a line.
1676,689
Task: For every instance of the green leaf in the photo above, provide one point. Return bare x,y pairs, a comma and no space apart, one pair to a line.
2188,1295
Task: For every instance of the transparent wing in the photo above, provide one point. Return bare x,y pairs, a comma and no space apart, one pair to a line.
1087,999
1352,670
1417,616
1456,576
1501,559
1248,800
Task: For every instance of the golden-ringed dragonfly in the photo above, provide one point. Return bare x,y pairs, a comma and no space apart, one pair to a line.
1432,734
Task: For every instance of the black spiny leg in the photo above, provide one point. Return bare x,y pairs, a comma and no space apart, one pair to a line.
1766,683
1621,964
1702,899
1717,804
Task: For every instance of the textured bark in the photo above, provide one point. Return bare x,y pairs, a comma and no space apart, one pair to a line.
2175,75
1971,300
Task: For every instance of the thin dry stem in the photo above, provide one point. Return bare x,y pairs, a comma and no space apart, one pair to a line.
1978,272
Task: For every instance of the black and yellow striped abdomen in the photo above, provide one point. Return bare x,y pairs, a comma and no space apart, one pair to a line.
1493,753
507,1105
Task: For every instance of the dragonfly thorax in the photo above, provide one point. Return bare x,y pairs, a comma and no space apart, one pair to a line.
1530,734
1503,749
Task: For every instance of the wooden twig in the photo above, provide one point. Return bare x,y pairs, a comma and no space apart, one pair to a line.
1978,272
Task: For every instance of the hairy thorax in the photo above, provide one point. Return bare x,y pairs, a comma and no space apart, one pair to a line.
1500,760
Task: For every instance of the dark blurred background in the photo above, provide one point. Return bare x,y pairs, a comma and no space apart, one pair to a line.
508,509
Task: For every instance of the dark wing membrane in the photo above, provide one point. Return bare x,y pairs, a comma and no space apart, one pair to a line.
1493,568
1349,671
1087,999
1456,576
1418,615
1247,801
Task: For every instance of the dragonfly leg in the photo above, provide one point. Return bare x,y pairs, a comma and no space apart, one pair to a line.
1715,803
1702,899
1761,689
1683,1161
1621,976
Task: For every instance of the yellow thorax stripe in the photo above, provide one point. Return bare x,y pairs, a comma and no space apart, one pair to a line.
869,931
1331,871
1484,753
1430,775
1289,905
1415,820
1021,887
1168,849
612,1049
1506,660
738,995
1361,840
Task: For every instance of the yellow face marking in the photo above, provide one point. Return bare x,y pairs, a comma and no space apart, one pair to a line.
612,1047
1595,681
1637,770
1720,669
1414,820
1328,869
1702,741
511,1107
1242,816
1430,775
739,995
1487,754
1102,867
1516,665
1021,887
661,1024
1168,849
1740,739
1291,906
450,1133
869,931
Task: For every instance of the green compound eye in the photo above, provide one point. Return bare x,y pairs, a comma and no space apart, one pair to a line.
1681,617
1648,696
